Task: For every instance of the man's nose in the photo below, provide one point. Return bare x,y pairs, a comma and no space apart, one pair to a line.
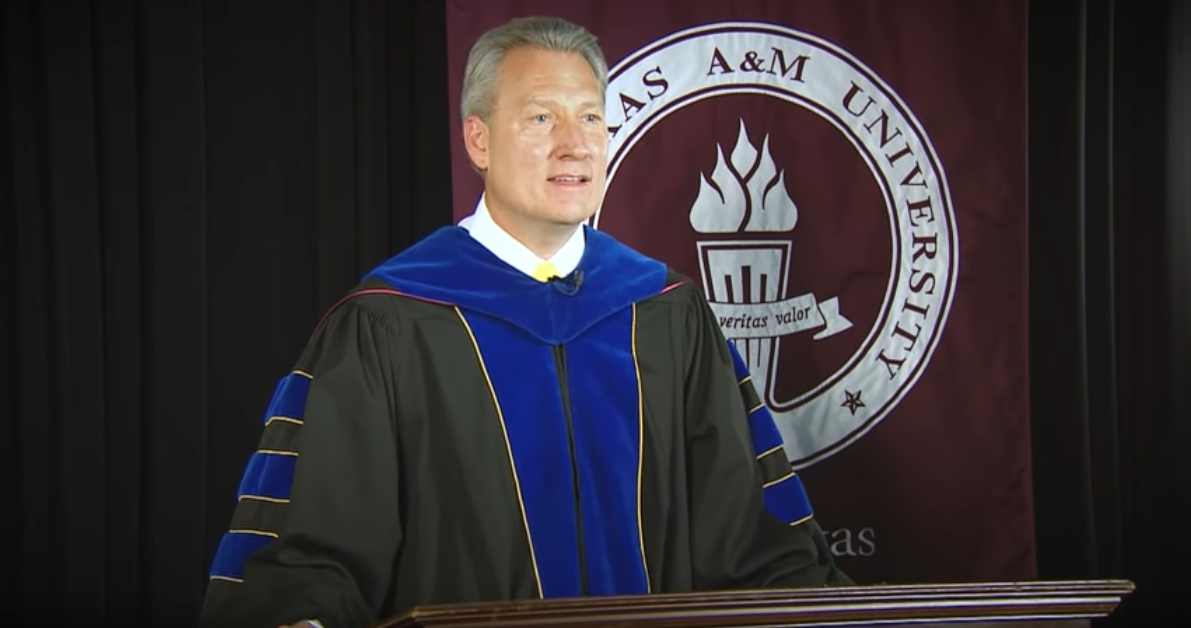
571,141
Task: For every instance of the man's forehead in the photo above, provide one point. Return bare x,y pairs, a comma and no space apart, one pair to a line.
532,60
549,78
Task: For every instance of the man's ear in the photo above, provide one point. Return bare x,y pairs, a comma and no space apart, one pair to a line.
475,138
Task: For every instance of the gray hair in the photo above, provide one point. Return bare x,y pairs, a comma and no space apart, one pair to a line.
544,33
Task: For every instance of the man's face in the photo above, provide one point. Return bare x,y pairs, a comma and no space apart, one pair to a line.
545,146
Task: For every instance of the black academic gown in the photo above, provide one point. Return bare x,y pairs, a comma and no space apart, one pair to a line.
456,431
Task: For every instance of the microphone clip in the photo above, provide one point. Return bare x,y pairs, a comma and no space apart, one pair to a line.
568,285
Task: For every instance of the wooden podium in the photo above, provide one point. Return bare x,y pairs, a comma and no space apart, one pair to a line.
986,605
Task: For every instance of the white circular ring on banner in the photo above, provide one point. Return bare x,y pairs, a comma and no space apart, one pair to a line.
728,58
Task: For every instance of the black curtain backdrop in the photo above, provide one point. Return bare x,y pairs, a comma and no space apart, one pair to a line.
1110,278
185,186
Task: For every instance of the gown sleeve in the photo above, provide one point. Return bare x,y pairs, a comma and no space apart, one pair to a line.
752,525
316,526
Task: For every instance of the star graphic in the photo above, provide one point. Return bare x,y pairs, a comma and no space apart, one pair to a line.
853,402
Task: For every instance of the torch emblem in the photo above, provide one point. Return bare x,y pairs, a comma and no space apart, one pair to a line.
746,280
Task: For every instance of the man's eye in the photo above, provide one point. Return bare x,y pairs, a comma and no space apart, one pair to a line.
541,117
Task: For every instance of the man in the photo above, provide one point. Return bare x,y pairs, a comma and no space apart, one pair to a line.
516,407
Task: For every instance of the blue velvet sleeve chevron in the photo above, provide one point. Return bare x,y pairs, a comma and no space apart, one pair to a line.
785,496
266,480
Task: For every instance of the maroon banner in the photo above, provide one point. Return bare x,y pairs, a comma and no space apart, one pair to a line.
847,180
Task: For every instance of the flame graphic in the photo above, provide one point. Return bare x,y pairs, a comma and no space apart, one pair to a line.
747,194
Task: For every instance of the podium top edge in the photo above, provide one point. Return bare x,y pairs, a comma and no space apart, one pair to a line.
1054,597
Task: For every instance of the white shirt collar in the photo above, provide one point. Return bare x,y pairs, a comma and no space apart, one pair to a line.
484,229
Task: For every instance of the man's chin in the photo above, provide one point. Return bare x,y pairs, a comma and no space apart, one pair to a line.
570,216
577,219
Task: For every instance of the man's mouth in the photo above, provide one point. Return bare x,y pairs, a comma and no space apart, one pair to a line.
569,179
